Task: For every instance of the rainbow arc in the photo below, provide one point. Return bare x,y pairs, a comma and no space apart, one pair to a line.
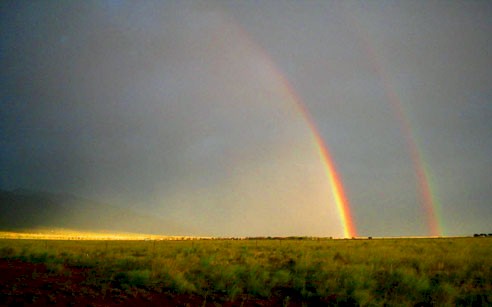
336,185
428,199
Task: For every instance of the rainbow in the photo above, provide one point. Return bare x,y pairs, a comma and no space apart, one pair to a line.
341,200
283,85
336,184
422,174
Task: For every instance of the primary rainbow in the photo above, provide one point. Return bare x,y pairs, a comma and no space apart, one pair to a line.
341,200
428,200
337,189
336,185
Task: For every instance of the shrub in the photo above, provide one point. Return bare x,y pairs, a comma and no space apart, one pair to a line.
7,252
139,278
55,268
182,285
257,282
39,257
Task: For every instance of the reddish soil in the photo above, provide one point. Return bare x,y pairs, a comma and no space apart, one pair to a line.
30,284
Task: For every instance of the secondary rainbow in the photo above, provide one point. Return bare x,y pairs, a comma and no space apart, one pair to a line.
429,203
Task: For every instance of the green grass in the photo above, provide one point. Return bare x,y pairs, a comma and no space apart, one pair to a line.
444,271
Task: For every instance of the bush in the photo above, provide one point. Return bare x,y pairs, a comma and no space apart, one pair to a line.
55,268
139,278
7,252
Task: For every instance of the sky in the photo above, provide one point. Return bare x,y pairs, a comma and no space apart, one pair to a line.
216,114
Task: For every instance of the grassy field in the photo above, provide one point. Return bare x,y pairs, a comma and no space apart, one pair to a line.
438,272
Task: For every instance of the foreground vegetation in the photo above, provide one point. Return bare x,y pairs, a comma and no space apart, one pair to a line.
443,271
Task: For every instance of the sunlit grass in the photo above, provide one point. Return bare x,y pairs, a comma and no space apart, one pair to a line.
67,234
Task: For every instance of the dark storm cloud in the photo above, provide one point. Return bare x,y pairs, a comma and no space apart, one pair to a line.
76,112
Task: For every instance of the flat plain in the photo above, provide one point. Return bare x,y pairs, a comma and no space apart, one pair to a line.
252,272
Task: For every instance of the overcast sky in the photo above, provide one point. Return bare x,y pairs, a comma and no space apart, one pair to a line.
186,110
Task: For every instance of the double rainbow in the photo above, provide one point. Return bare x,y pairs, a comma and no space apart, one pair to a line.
428,201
